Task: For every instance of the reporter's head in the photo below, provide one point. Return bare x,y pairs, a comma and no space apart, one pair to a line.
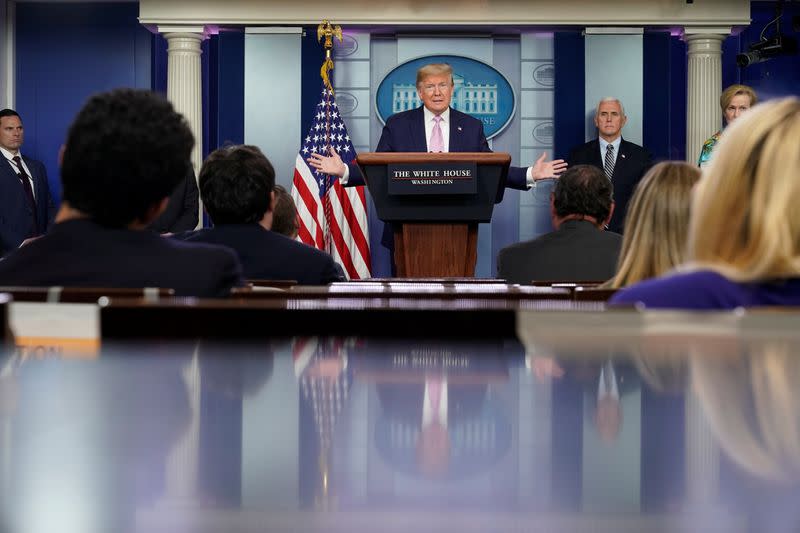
126,151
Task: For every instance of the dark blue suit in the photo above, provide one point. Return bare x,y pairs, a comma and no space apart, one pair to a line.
80,253
632,163
265,254
16,222
405,132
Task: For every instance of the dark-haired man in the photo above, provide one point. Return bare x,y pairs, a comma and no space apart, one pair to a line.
236,186
125,152
26,208
579,249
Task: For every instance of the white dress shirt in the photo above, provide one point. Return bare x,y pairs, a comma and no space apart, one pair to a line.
603,143
444,125
10,156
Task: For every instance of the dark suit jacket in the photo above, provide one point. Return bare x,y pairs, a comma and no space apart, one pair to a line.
265,254
632,163
15,213
183,210
405,132
577,251
80,253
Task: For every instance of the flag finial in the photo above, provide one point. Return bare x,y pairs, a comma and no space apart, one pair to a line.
328,31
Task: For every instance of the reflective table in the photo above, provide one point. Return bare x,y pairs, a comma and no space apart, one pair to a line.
615,421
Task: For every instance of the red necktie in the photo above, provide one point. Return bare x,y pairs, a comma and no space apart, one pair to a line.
26,185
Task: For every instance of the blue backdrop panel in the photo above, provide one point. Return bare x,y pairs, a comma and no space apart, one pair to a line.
223,108
568,101
657,120
677,102
65,53
777,77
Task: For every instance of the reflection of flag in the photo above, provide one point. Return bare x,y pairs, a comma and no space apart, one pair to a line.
331,217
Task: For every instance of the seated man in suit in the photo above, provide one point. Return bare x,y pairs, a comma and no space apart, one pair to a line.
579,249
26,208
236,186
435,127
623,162
125,153
183,209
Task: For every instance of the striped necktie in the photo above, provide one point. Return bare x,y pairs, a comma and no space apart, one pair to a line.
608,165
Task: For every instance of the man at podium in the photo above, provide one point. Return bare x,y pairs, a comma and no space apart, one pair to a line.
436,127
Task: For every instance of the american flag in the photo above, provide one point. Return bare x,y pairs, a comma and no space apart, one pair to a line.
332,218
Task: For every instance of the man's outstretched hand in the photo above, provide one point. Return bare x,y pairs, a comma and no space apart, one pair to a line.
331,165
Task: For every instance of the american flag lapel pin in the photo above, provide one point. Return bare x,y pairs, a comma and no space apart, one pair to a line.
623,156
459,128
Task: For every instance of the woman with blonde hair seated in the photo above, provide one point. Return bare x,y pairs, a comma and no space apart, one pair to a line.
654,241
734,101
744,233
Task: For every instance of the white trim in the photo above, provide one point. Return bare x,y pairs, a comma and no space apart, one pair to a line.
273,30
10,55
181,29
708,30
610,30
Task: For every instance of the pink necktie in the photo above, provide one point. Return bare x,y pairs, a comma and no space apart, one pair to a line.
435,384
437,141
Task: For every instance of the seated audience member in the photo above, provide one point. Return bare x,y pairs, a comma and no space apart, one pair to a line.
744,234
579,249
183,209
657,223
734,101
284,214
236,186
125,152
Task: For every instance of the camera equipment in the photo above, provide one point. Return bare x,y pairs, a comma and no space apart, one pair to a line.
769,47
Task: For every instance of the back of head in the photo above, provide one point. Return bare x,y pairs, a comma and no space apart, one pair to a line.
284,214
583,190
126,151
235,184
744,220
657,223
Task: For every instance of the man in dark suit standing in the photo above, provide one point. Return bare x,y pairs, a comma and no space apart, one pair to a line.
435,127
579,249
236,185
623,162
125,153
183,209
26,208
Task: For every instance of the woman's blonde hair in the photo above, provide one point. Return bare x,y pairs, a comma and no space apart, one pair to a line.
750,399
744,221
656,224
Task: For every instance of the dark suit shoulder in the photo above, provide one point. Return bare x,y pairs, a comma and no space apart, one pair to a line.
583,153
404,116
634,148
265,254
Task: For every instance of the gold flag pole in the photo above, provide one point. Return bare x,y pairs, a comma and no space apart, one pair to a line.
327,31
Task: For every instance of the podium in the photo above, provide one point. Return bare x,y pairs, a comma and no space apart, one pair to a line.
434,203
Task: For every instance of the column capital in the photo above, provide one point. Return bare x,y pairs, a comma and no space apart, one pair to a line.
201,32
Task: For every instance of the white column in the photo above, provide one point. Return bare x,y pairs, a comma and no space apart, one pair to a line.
184,80
704,85
702,456
183,459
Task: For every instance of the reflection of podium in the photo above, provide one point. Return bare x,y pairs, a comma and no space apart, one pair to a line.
435,202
